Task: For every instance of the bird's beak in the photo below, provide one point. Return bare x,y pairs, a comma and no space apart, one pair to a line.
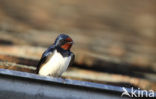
70,41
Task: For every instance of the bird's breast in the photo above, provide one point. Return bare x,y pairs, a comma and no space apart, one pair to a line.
55,65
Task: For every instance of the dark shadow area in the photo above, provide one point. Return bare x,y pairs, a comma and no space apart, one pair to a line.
114,68
5,42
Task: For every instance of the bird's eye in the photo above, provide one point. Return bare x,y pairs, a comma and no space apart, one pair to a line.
64,40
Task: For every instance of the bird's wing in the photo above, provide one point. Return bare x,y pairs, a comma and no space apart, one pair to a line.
44,57
72,59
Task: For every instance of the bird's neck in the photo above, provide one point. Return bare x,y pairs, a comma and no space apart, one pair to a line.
64,53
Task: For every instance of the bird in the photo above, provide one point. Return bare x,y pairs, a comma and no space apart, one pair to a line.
56,59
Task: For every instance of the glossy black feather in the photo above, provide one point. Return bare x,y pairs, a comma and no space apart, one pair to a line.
72,59
64,53
44,57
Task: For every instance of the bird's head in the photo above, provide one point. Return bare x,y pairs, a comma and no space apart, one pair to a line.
64,41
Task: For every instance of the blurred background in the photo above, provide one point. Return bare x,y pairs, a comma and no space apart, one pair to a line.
114,41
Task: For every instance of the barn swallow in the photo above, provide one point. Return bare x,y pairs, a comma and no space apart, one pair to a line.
56,59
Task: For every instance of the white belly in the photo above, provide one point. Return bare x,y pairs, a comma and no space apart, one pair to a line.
56,65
